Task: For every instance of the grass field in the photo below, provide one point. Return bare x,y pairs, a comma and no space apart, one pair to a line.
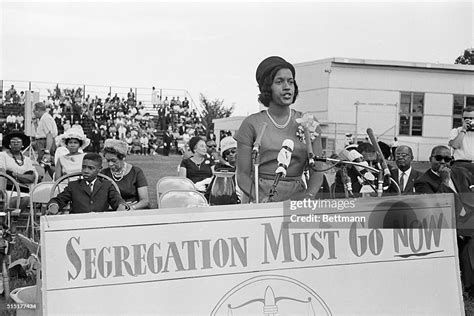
156,167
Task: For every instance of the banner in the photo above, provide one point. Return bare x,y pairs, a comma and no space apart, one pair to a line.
256,259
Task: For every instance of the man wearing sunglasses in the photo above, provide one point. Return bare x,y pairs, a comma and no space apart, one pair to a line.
441,178
462,141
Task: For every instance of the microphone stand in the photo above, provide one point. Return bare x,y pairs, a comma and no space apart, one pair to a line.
346,162
380,183
273,191
255,163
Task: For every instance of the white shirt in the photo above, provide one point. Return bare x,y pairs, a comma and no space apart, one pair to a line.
405,177
91,184
11,118
46,125
466,151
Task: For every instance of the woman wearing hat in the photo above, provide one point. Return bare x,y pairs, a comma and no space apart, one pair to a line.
228,154
130,179
15,164
228,194
13,161
278,91
75,141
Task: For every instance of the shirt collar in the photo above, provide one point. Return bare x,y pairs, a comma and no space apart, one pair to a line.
92,182
407,172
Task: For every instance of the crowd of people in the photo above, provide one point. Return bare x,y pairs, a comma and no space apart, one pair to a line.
114,117
451,165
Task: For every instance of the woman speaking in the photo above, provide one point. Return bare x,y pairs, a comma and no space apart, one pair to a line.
278,90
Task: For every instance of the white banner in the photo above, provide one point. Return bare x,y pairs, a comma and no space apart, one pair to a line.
243,259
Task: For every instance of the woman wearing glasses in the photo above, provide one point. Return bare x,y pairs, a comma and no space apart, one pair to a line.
15,164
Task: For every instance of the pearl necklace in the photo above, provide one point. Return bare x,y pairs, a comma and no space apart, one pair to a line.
20,161
279,126
117,176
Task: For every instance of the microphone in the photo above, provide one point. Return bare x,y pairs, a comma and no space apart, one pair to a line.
355,156
309,147
373,140
284,158
257,143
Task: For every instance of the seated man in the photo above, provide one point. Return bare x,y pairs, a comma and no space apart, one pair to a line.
89,194
442,178
404,174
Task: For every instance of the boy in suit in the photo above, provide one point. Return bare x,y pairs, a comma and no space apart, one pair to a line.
89,194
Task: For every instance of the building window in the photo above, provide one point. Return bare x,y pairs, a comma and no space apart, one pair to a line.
459,103
411,113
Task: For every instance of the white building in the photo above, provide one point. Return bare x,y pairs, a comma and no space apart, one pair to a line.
417,102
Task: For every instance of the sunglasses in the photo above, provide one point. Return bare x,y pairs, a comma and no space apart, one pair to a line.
468,118
441,157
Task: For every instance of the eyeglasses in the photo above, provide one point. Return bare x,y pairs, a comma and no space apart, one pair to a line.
468,118
402,155
212,146
441,157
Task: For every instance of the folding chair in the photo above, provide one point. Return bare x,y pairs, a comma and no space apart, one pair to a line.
6,196
169,183
39,194
182,198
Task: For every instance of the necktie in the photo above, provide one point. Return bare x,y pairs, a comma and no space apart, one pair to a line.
90,186
402,181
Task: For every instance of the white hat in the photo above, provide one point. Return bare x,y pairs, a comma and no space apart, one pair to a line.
228,143
76,133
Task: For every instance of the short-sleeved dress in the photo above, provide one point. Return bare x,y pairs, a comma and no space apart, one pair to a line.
272,141
130,183
197,172
71,163
8,163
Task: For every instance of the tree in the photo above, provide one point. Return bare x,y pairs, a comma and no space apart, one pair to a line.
213,110
467,58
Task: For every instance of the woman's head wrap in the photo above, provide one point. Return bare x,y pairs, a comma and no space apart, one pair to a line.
268,65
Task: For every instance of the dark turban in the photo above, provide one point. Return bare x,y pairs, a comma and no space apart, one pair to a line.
268,65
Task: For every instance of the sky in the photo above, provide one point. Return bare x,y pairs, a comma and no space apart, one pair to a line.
214,48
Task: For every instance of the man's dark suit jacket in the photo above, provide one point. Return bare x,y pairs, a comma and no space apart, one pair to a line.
409,186
84,201
431,183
